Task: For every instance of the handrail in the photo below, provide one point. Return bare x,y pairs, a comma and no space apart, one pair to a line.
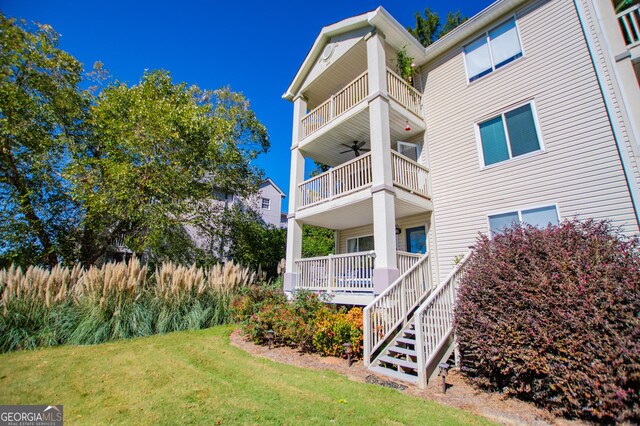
629,20
434,320
394,305
350,95
404,93
409,174
340,180
343,272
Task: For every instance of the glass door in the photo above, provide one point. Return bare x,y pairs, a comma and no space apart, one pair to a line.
417,240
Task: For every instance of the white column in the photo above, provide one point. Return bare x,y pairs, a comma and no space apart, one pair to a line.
294,228
383,193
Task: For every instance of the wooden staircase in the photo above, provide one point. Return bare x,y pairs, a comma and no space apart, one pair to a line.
408,334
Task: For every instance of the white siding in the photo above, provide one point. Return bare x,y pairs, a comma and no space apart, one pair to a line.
579,170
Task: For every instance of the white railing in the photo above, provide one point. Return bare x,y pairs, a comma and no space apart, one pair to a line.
341,272
434,320
352,94
403,93
393,307
409,174
406,260
629,20
341,180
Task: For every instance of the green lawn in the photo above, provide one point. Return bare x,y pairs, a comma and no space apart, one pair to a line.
198,378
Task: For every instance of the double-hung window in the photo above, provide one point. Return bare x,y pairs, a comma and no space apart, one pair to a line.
510,134
540,217
493,50
266,204
364,243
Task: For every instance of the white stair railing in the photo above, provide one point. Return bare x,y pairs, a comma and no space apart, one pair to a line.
434,320
406,260
393,307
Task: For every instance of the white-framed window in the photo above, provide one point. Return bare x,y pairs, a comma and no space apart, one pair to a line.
363,243
540,217
409,149
266,204
494,49
510,134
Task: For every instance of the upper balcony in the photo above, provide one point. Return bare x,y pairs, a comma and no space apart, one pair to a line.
629,20
349,104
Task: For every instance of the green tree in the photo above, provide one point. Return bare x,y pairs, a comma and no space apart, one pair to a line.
157,150
427,28
317,241
41,114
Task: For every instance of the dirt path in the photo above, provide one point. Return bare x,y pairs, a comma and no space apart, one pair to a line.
459,394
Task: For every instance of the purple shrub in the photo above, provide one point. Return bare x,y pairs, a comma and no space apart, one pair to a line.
552,316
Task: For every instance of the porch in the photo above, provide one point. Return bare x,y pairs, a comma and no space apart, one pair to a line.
346,277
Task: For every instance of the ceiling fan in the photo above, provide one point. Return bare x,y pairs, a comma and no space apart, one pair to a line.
356,148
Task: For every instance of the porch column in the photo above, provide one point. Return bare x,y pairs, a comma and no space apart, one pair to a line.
382,190
294,228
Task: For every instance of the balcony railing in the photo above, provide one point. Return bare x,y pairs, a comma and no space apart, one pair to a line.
336,105
403,93
409,174
629,20
406,260
339,181
336,273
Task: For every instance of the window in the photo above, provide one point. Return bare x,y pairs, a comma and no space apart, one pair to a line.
410,150
266,203
493,50
357,244
509,135
540,217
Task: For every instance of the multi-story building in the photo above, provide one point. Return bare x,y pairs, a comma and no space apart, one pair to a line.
529,111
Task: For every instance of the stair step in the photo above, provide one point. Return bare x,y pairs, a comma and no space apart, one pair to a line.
397,361
398,375
399,350
409,331
406,341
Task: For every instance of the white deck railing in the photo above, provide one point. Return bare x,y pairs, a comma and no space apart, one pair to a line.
393,307
352,94
409,174
629,20
434,320
406,260
403,93
341,180
341,272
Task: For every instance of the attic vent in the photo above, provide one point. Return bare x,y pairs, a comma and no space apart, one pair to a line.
328,51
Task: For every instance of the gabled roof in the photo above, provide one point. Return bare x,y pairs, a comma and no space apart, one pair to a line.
272,183
396,35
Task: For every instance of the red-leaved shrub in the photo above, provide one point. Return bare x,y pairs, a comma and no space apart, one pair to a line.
553,316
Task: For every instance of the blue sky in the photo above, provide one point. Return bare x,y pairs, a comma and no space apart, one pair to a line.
255,47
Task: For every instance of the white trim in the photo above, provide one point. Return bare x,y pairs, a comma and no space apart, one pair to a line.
501,112
268,200
519,211
488,41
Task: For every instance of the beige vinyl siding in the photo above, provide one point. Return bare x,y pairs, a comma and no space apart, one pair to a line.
579,170
401,240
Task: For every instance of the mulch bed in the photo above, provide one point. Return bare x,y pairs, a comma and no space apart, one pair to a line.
459,394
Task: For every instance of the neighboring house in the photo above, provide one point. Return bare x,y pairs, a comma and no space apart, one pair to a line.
269,203
529,111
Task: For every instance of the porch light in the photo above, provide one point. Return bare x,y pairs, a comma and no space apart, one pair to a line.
398,230
271,335
444,369
407,127
349,351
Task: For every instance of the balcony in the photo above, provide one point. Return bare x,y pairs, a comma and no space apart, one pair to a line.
353,94
355,175
629,20
344,273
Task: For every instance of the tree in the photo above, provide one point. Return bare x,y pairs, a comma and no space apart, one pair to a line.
41,114
427,29
156,150
317,241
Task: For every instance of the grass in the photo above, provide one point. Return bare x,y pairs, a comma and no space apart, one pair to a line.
196,377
